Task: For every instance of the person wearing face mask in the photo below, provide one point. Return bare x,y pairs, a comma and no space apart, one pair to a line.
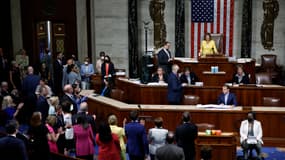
86,70
108,70
99,62
251,135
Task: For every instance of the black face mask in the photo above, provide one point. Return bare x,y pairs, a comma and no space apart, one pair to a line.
250,119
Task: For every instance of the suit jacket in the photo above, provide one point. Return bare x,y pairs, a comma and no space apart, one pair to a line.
244,80
86,70
65,97
43,107
57,75
163,58
30,84
12,148
111,70
231,99
257,130
193,77
185,135
174,94
155,78
169,152
137,143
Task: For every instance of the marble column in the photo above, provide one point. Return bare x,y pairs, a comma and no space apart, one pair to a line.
81,20
180,28
133,39
93,34
17,38
246,37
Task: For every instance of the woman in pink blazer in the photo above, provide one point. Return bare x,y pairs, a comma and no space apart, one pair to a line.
84,139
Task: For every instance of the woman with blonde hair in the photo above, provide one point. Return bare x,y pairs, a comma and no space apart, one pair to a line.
120,132
53,103
10,108
52,136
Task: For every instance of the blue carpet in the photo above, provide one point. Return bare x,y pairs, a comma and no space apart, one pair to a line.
268,153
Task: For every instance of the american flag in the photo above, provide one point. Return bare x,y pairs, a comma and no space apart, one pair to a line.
213,16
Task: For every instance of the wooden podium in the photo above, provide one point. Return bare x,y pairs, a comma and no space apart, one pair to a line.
223,146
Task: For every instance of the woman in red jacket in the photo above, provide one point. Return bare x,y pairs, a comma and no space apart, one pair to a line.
109,145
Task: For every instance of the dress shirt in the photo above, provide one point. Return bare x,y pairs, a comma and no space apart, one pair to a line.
226,98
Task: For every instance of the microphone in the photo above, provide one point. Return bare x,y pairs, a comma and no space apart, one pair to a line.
213,50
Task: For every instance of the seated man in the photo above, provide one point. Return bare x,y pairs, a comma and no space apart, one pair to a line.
159,76
188,77
251,135
240,77
227,98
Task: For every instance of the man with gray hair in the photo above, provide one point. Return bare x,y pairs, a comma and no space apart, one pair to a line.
174,95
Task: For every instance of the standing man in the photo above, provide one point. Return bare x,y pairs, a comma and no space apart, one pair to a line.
174,94
227,98
86,71
30,84
99,62
137,144
251,135
10,146
58,73
185,135
164,58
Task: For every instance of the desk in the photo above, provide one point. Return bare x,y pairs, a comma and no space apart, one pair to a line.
157,94
198,67
272,119
223,146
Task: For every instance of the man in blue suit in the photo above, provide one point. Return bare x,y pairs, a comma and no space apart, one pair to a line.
174,94
137,144
227,98
10,146
163,57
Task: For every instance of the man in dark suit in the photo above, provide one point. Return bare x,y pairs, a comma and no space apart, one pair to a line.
57,74
30,84
42,103
164,57
169,151
69,96
188,77
137,144
185,135
174,94
227,98
240,77
11,147
159,76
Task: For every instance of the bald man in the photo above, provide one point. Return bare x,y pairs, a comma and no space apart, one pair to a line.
69,96
174,94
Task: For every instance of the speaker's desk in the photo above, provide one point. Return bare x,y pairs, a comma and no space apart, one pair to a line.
272,119
202,67
138,93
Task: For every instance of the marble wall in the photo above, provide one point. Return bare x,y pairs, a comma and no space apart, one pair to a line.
111,30
279,32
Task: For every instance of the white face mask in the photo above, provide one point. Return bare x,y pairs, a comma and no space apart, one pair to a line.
102,58
86,63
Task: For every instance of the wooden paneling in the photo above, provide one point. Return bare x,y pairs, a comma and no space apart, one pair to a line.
217,79
223,147
246,95
273,122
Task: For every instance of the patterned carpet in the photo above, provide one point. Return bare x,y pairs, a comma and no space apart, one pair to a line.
268,153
